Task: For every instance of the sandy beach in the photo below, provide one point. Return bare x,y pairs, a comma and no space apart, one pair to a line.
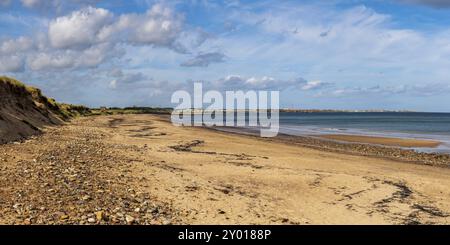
382,140
85,171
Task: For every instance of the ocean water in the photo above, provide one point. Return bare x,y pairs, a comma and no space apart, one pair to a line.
433,126
409,125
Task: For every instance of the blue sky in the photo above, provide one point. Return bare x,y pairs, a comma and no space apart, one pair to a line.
338,54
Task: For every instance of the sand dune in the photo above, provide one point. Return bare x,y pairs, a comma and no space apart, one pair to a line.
24,111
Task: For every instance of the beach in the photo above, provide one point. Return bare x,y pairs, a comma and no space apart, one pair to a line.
140,169
386,141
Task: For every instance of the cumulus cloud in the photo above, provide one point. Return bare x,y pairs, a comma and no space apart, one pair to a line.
12,53
65,59
121,78
266,83
239,82
80,28
89,37
12,63
159,26
11,46
43,61
204,60
139,84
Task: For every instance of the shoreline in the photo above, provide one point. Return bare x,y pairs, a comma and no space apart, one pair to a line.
368,149
385,141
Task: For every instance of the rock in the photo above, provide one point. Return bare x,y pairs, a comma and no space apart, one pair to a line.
64,217
91,220
85,197
100,215
129,219
166,221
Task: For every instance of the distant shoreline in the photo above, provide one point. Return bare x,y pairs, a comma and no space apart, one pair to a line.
198,111
168,110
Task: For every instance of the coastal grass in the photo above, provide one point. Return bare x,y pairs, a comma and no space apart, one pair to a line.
129,110
65,111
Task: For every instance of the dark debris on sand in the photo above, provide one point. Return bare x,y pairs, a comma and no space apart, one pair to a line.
70,178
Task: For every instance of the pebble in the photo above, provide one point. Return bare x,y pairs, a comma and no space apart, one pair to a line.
60,191
129,219
100,215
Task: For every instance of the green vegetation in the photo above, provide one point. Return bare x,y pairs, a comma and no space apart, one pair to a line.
130,110
65,111
12,81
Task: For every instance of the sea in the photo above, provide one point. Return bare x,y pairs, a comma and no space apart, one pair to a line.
409,125
412,125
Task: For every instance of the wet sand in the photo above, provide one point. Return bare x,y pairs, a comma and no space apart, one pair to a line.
400,142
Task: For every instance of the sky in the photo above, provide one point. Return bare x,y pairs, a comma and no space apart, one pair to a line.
334,54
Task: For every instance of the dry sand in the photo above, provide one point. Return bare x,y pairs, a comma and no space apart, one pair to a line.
209,177
382,140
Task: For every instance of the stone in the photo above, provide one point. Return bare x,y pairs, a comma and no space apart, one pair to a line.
100,215
64,217
129,219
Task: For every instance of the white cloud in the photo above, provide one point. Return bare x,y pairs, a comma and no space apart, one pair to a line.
204,60
90,37
79,29
313,85
266,83
65,59
43,61
360,50
121,78
349,46
30,3
113,84
12,63
159,26
11,46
